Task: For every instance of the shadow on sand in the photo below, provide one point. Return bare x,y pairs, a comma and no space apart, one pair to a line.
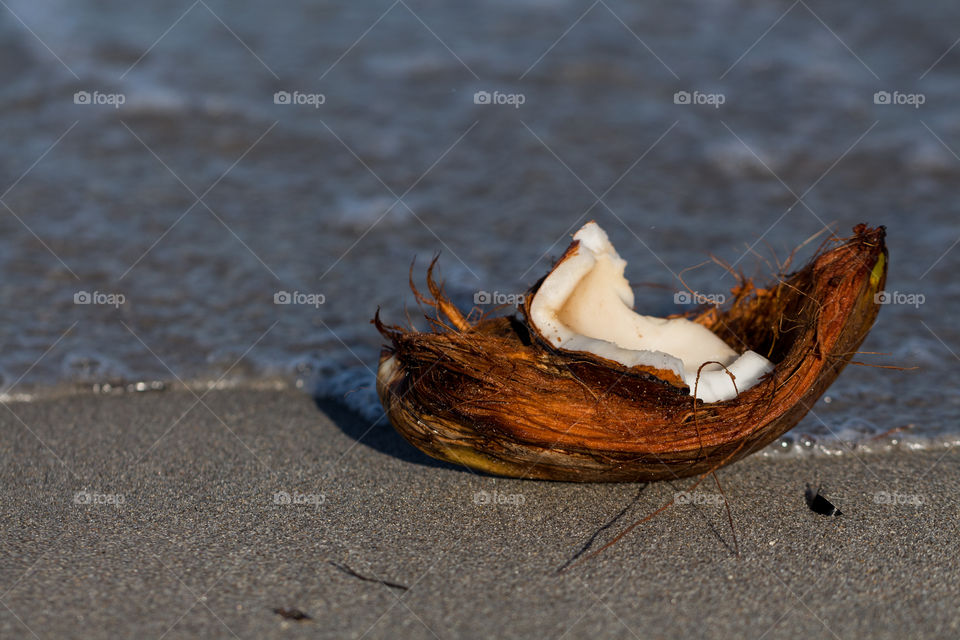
380,436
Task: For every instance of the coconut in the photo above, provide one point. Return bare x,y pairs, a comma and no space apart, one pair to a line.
577,386
586,305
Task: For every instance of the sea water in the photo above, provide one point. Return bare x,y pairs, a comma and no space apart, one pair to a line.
222,196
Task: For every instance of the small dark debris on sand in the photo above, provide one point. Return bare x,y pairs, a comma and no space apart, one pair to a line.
350,572
819,504
291,613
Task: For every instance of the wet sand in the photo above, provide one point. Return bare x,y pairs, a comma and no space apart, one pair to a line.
155,515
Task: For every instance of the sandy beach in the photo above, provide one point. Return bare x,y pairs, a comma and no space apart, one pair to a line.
225,193
157,515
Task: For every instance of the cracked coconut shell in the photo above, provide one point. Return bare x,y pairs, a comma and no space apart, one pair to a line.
496,396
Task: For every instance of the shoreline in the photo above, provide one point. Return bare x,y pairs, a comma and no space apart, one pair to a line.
119,512
795,443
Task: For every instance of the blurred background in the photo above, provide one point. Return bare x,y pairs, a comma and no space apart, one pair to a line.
222,194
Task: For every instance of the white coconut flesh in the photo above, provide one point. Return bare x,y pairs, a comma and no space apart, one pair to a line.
586,304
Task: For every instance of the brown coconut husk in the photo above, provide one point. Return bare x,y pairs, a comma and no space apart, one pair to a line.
494,396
